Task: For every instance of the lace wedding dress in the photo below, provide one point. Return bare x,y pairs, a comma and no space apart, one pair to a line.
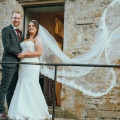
28,102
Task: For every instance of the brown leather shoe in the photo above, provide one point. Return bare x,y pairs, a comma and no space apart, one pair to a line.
3,116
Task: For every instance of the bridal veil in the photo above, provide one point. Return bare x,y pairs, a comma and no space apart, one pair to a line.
105,50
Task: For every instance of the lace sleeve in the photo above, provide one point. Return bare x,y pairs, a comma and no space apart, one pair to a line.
38,44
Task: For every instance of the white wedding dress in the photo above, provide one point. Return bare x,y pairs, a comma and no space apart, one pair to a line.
28,102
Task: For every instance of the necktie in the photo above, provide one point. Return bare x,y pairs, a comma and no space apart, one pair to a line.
18,33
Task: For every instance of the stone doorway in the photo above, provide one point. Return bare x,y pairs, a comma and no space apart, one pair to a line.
52,18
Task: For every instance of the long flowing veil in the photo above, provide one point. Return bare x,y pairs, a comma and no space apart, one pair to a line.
105,50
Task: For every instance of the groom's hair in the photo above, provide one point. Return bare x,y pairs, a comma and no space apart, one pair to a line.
16,11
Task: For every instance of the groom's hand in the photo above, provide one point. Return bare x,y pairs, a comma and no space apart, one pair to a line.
21,55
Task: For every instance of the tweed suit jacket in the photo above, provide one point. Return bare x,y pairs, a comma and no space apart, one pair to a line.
11,45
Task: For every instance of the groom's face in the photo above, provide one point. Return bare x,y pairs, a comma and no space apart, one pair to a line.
16,19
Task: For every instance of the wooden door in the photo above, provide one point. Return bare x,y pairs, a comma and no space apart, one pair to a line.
47,88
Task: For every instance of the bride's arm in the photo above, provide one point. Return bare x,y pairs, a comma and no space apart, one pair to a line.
37,53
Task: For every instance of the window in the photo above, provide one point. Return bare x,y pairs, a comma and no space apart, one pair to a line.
59,27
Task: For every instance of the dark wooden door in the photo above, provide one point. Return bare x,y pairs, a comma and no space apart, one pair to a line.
47,88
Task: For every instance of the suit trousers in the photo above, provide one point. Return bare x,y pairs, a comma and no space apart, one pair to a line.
8,84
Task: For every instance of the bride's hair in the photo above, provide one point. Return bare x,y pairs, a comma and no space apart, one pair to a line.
36,24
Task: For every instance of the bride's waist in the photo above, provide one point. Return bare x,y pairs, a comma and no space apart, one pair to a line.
34,59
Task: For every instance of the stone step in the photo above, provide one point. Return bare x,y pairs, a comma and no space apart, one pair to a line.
63,119
62,114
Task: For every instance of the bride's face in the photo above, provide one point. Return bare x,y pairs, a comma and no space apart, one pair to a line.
32,29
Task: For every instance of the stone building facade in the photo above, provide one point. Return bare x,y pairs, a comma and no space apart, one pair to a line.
80,17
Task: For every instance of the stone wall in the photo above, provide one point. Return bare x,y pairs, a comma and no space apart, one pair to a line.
81,21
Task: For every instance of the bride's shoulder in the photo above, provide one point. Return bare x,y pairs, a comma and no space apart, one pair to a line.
37,38
25,40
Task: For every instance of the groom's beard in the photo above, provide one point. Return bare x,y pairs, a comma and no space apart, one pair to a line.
16,23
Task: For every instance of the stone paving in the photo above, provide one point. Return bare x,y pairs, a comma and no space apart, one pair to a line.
63,119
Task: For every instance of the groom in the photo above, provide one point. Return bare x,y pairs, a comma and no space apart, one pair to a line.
11,38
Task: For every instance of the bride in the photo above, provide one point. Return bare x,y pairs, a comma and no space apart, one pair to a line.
28,101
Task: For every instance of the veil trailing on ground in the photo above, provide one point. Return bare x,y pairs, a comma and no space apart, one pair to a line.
105,50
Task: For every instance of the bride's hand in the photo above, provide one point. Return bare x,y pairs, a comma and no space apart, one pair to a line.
28,51
21,55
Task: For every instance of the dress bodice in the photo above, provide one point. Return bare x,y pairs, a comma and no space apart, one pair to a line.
29,45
